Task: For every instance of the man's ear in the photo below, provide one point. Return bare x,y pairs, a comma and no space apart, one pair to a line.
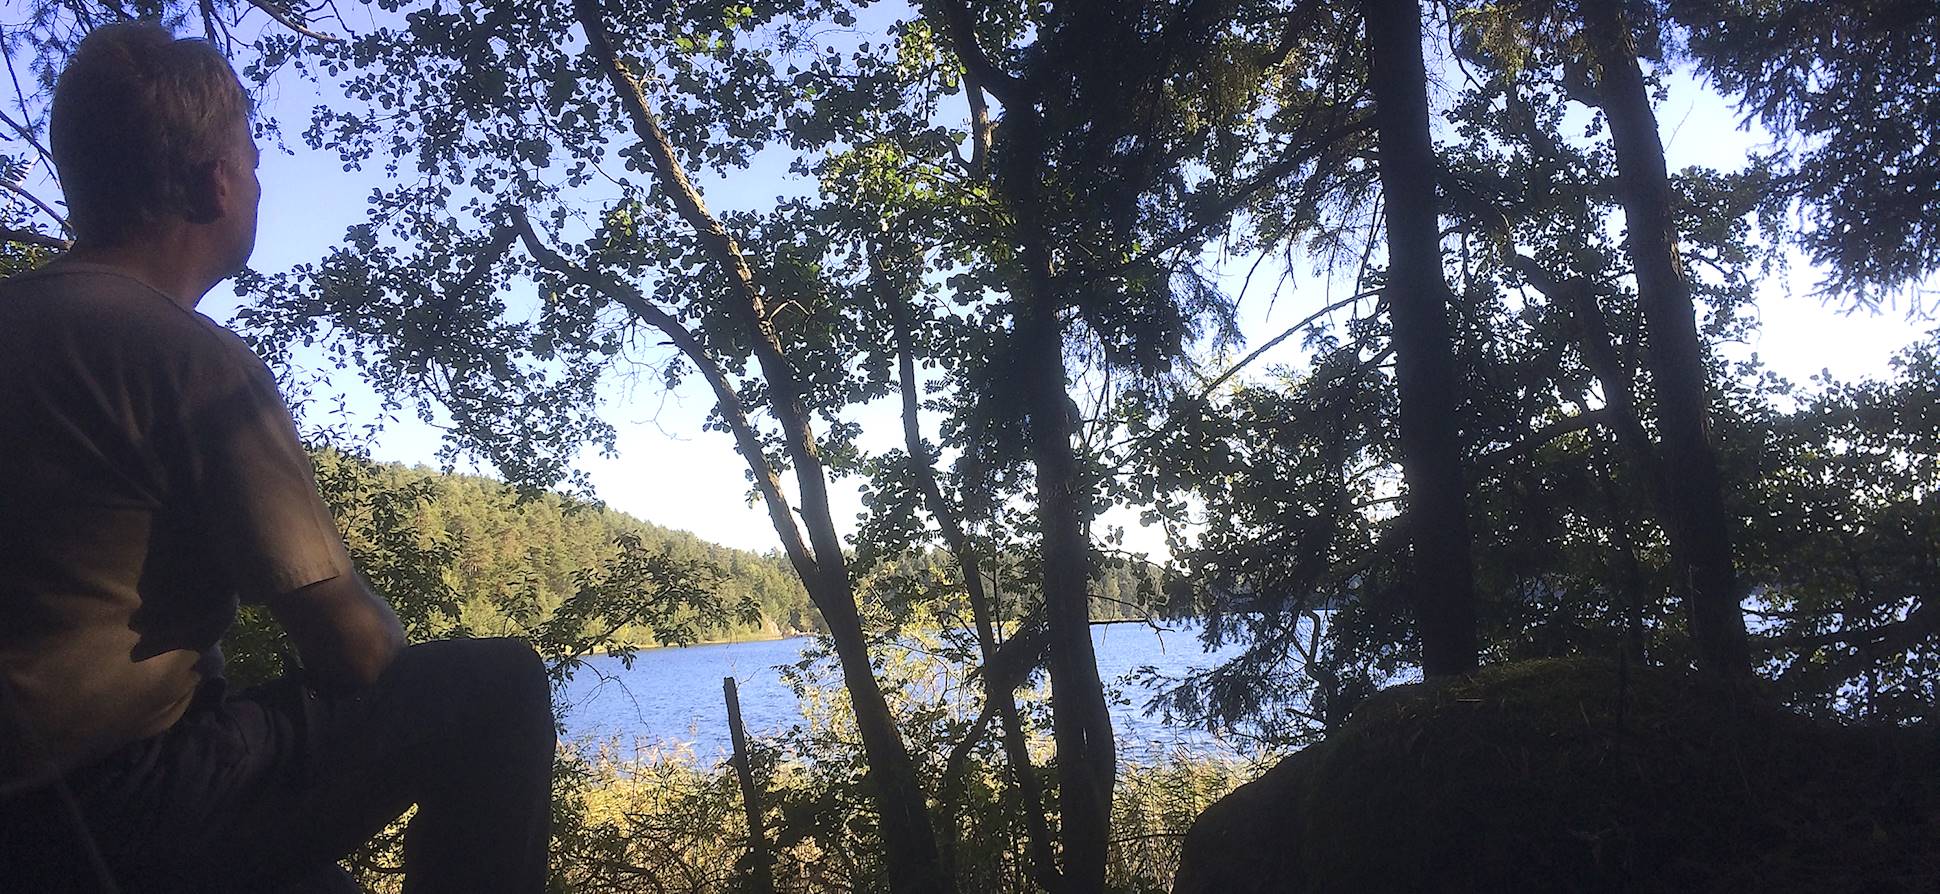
207,193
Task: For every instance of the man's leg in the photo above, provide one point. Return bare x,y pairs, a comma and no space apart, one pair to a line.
44,849
484,819
265,788
331,879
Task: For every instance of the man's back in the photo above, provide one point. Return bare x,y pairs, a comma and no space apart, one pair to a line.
150,475
128,424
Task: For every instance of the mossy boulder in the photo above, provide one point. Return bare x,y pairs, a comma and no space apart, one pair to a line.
1565,775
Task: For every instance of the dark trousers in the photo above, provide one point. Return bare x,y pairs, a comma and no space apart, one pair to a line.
265,790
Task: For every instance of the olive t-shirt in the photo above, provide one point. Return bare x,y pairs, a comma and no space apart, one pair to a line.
150,476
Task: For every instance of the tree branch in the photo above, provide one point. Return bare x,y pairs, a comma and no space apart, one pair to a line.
726,399
981,128
783,383
909,842
1304,151
28,135
1895,636
29,237
1600,354
1206,391
1273,342
954,764
999,694
496,245
960,27
1489,462
22,192
292,23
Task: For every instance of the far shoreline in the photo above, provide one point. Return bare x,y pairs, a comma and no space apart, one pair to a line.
1159,624
718,641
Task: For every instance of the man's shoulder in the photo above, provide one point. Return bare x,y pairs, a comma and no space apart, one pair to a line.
116,310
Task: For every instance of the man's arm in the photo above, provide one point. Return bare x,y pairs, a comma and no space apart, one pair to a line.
245,474
345,634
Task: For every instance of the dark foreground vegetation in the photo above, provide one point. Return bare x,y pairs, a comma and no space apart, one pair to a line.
1518,427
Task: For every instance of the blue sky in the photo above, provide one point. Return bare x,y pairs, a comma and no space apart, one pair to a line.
308,201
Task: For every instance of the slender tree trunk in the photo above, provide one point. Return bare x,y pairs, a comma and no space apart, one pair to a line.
1081,724
1630,571
898,793
1080,721
1424,360
1576,296
909,839
1692,487
998,692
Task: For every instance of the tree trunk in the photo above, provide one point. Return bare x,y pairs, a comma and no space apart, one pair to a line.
998,694
909,840
1080,721
1081,724
1424,360
1695,518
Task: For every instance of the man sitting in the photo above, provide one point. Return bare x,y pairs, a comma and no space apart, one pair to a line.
150,476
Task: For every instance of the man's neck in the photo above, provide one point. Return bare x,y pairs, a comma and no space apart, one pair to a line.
164,261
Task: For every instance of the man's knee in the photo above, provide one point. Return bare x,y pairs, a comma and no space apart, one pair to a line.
515,664
506,677
517,674
518,694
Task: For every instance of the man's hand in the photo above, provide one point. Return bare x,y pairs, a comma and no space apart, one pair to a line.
345,634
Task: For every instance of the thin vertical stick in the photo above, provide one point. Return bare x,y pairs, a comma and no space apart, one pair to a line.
760,877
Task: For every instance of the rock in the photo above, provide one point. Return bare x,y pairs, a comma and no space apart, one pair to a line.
1525,777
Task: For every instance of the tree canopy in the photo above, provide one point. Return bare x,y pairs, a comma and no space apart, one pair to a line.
1514,429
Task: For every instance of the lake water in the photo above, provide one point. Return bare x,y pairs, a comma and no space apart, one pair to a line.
671,698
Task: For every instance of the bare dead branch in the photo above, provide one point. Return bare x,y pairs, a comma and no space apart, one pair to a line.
292,23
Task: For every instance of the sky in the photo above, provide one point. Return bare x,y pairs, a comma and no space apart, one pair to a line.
668,471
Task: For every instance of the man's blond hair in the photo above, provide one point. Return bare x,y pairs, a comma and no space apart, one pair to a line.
135,111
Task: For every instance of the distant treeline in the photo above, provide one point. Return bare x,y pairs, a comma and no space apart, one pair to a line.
516,557
512,558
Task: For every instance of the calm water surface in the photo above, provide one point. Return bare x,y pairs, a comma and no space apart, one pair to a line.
671,698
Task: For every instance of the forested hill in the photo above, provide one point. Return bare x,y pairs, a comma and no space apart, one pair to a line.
510,561
474,551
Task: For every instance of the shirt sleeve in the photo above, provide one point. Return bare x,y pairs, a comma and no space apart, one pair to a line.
250,483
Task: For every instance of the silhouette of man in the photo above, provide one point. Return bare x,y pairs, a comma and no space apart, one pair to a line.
150,477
